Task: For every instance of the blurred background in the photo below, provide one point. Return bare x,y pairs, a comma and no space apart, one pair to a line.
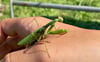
83,19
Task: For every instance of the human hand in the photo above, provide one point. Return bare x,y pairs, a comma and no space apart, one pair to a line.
78,45
13,30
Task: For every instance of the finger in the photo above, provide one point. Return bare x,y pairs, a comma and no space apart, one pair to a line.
21,26
9,45
17,26
12,43
8,26
2,35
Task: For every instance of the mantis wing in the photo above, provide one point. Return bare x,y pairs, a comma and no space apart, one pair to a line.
27,39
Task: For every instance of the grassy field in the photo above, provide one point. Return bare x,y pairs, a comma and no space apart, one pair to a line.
90,20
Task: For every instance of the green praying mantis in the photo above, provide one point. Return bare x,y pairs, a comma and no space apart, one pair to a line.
39,34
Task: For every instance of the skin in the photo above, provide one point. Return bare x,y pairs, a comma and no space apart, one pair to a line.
78,45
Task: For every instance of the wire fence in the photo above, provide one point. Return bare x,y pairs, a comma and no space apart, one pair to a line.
55,6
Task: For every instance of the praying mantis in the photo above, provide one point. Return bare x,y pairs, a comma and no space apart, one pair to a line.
40,33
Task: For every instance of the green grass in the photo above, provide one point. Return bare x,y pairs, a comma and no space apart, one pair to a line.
83,19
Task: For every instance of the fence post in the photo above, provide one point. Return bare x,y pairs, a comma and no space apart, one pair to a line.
0,8
11,9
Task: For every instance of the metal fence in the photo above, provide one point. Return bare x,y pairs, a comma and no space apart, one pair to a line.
55,6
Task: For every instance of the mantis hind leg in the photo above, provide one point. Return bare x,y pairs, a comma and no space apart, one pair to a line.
46,49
